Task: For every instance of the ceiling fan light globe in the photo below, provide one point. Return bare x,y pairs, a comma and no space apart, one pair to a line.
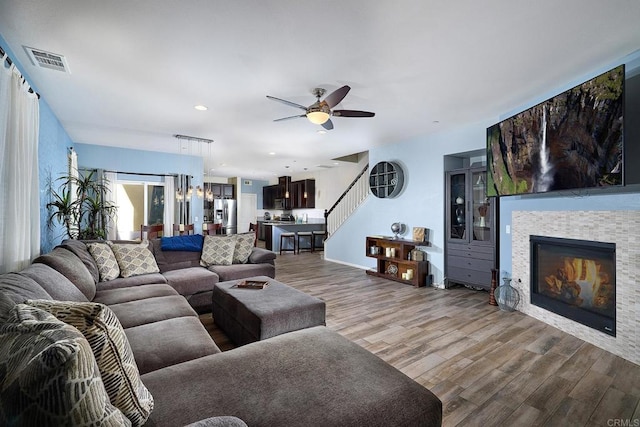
317,117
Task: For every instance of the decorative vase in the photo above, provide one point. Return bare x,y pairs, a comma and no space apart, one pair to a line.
494,282
507,296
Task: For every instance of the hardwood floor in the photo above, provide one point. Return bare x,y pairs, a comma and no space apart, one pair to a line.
489,367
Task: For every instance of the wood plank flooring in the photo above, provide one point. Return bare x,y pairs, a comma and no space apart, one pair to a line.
489,367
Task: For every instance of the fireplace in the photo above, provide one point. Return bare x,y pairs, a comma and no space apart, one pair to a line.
575,279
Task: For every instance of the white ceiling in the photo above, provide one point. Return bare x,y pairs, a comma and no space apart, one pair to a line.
139,67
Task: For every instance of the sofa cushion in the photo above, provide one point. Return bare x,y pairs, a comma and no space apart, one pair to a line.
134,260
261,255
227,421
244,246
188,243
134,293
19,288
242,271
105,260
79,248
312,377
112,352
129,282
183,338
218,250
189,281
56,285
65,262
149,310
42,358
173,260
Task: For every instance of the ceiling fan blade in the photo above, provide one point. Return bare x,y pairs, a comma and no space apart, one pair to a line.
284,101
290,117
336,96
328,125
352,113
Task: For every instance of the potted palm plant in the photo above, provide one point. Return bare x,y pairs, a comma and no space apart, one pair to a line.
86,215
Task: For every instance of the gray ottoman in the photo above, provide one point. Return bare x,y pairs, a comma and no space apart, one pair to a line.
248,315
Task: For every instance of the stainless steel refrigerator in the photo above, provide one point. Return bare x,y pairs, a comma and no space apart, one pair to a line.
226,213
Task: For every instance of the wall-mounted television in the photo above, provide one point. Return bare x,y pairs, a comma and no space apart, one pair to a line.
571,141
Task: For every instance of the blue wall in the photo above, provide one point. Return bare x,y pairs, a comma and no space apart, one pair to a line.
139,161
255,187
52,160
421,204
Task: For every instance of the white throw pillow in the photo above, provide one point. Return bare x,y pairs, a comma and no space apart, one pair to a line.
218,250
244,246
134,260
106,261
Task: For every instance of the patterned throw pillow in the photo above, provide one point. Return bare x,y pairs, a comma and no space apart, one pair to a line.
218,250
50,376
244,246
134,260
106,260
112,352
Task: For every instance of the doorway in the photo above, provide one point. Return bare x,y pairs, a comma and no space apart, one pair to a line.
139,203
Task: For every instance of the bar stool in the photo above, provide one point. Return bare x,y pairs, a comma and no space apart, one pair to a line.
320,234
289,238
305,234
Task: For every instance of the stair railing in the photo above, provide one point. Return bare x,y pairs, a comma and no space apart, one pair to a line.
347,203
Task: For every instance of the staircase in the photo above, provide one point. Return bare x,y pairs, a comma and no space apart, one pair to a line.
348,202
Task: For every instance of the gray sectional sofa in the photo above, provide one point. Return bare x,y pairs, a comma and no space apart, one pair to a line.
304,378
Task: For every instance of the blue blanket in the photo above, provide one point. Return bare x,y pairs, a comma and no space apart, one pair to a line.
191,243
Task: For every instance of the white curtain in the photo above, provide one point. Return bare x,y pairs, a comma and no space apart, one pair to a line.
169,204
19,193
73,187
111,197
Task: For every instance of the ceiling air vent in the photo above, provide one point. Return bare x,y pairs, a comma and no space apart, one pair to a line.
324,166
44,59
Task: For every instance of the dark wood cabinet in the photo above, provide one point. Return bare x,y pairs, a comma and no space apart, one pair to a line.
471,245
222,191
302,194
393,260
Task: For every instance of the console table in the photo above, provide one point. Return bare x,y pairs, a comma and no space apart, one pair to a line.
397,264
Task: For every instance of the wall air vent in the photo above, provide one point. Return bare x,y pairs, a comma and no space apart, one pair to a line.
44,59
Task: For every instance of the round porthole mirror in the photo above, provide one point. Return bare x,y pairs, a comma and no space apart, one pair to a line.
386,180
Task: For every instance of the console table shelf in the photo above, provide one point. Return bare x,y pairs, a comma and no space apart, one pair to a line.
394,267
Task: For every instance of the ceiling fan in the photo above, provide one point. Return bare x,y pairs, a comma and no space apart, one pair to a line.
320,111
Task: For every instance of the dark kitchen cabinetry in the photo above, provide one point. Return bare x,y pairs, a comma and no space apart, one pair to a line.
270,195
222,191
302,194
471,244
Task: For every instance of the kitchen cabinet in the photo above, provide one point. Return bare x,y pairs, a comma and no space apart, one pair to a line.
271,193
393,261
303,194
471,244
222,191
273,196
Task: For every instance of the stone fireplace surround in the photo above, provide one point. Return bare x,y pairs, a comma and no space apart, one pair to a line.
619,227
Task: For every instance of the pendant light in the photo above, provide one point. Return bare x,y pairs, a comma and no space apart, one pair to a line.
286,193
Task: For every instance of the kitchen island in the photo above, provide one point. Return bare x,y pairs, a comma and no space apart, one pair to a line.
273,230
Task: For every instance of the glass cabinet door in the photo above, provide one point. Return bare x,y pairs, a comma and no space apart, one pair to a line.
457,185
481,209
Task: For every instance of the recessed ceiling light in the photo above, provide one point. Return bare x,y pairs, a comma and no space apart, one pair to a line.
321,131
436,121
336,163
201,107
272,153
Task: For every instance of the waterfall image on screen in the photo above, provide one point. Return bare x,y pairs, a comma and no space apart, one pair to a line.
571,141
